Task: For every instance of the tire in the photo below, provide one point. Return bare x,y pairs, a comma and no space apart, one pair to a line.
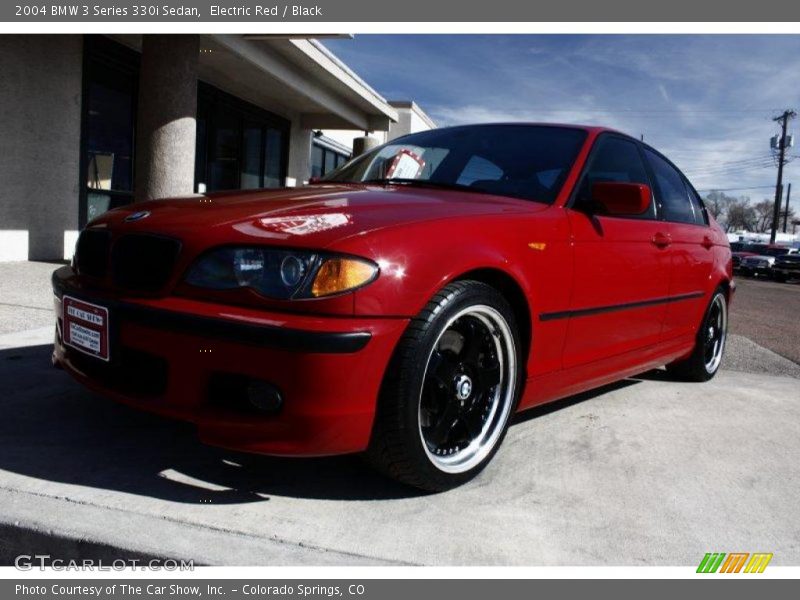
704,361
450,389
779,277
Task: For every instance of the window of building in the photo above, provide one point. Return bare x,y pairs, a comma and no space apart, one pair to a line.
239,146
109,122
325,159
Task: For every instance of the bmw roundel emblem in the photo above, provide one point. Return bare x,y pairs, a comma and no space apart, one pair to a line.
137,216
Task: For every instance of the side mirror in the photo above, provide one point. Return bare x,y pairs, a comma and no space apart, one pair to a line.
622,199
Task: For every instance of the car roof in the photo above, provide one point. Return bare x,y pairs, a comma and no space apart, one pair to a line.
587,128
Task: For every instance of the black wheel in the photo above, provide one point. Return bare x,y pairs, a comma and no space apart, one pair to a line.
706,357
450,389
779,277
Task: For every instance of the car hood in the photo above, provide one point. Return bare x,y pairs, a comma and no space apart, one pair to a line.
760,257
313,216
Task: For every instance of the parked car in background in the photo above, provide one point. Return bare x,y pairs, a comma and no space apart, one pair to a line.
786,267
758,259
407,304
738,251
756,264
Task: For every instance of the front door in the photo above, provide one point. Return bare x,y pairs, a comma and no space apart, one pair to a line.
621,264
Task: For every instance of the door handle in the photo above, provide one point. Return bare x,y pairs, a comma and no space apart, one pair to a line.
707,242
662,240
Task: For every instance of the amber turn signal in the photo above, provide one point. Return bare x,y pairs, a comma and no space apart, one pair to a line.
338,275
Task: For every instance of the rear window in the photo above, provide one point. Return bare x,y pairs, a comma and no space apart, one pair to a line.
676,203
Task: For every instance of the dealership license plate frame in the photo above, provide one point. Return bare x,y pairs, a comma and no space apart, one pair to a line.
84,316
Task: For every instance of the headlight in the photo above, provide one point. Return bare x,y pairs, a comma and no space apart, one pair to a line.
281,274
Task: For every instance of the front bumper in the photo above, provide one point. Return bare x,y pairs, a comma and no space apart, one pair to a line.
788,273
757,269
177,357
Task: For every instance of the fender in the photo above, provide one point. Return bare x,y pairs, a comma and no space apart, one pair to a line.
533,250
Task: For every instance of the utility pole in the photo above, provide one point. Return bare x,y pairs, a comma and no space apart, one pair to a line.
786,209
776,213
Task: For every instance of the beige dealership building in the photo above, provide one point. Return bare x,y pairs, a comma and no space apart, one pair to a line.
89,123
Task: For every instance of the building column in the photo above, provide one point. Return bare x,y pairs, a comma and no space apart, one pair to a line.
364,144
166,127
299,167
40,125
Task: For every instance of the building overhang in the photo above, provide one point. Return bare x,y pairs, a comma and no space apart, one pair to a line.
290,76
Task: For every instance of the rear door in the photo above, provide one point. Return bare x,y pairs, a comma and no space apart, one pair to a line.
691,247
621,263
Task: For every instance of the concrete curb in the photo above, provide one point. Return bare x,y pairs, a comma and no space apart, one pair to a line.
37,524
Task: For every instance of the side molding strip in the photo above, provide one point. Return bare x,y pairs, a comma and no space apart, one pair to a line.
585,312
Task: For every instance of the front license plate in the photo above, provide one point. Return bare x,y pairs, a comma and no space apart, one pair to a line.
86,327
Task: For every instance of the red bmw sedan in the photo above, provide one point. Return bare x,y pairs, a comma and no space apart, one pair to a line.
406,305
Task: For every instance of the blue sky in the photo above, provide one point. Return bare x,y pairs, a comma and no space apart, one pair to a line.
705,101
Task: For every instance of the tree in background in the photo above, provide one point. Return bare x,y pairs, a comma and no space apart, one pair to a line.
735,214
732,213
740,215
717,204
763,216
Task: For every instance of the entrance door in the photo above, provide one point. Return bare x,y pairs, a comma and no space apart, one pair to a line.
108,124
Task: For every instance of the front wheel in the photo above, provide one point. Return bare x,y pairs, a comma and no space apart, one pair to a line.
451,387
706,357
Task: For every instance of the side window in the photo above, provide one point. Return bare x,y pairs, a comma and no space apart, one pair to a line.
675,202
700,215
615,159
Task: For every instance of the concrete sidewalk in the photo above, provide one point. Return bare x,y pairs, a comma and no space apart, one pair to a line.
646,472
26,295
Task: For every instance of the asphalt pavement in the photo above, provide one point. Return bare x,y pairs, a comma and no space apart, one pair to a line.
768,313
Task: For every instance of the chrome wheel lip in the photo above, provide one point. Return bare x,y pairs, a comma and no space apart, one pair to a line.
480,447
718,333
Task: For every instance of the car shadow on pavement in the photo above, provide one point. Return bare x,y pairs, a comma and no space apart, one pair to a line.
545,409
52,429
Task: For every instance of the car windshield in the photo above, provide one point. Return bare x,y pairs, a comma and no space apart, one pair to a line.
522,161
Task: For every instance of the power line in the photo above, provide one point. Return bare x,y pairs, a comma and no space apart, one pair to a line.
723,166
739,189
652,110
731,170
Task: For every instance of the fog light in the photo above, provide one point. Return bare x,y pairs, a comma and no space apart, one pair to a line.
263,396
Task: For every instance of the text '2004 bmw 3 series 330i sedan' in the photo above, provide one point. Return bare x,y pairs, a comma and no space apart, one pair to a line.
406,305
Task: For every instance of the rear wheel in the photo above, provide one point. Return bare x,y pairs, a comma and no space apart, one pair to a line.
706,357
450,390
